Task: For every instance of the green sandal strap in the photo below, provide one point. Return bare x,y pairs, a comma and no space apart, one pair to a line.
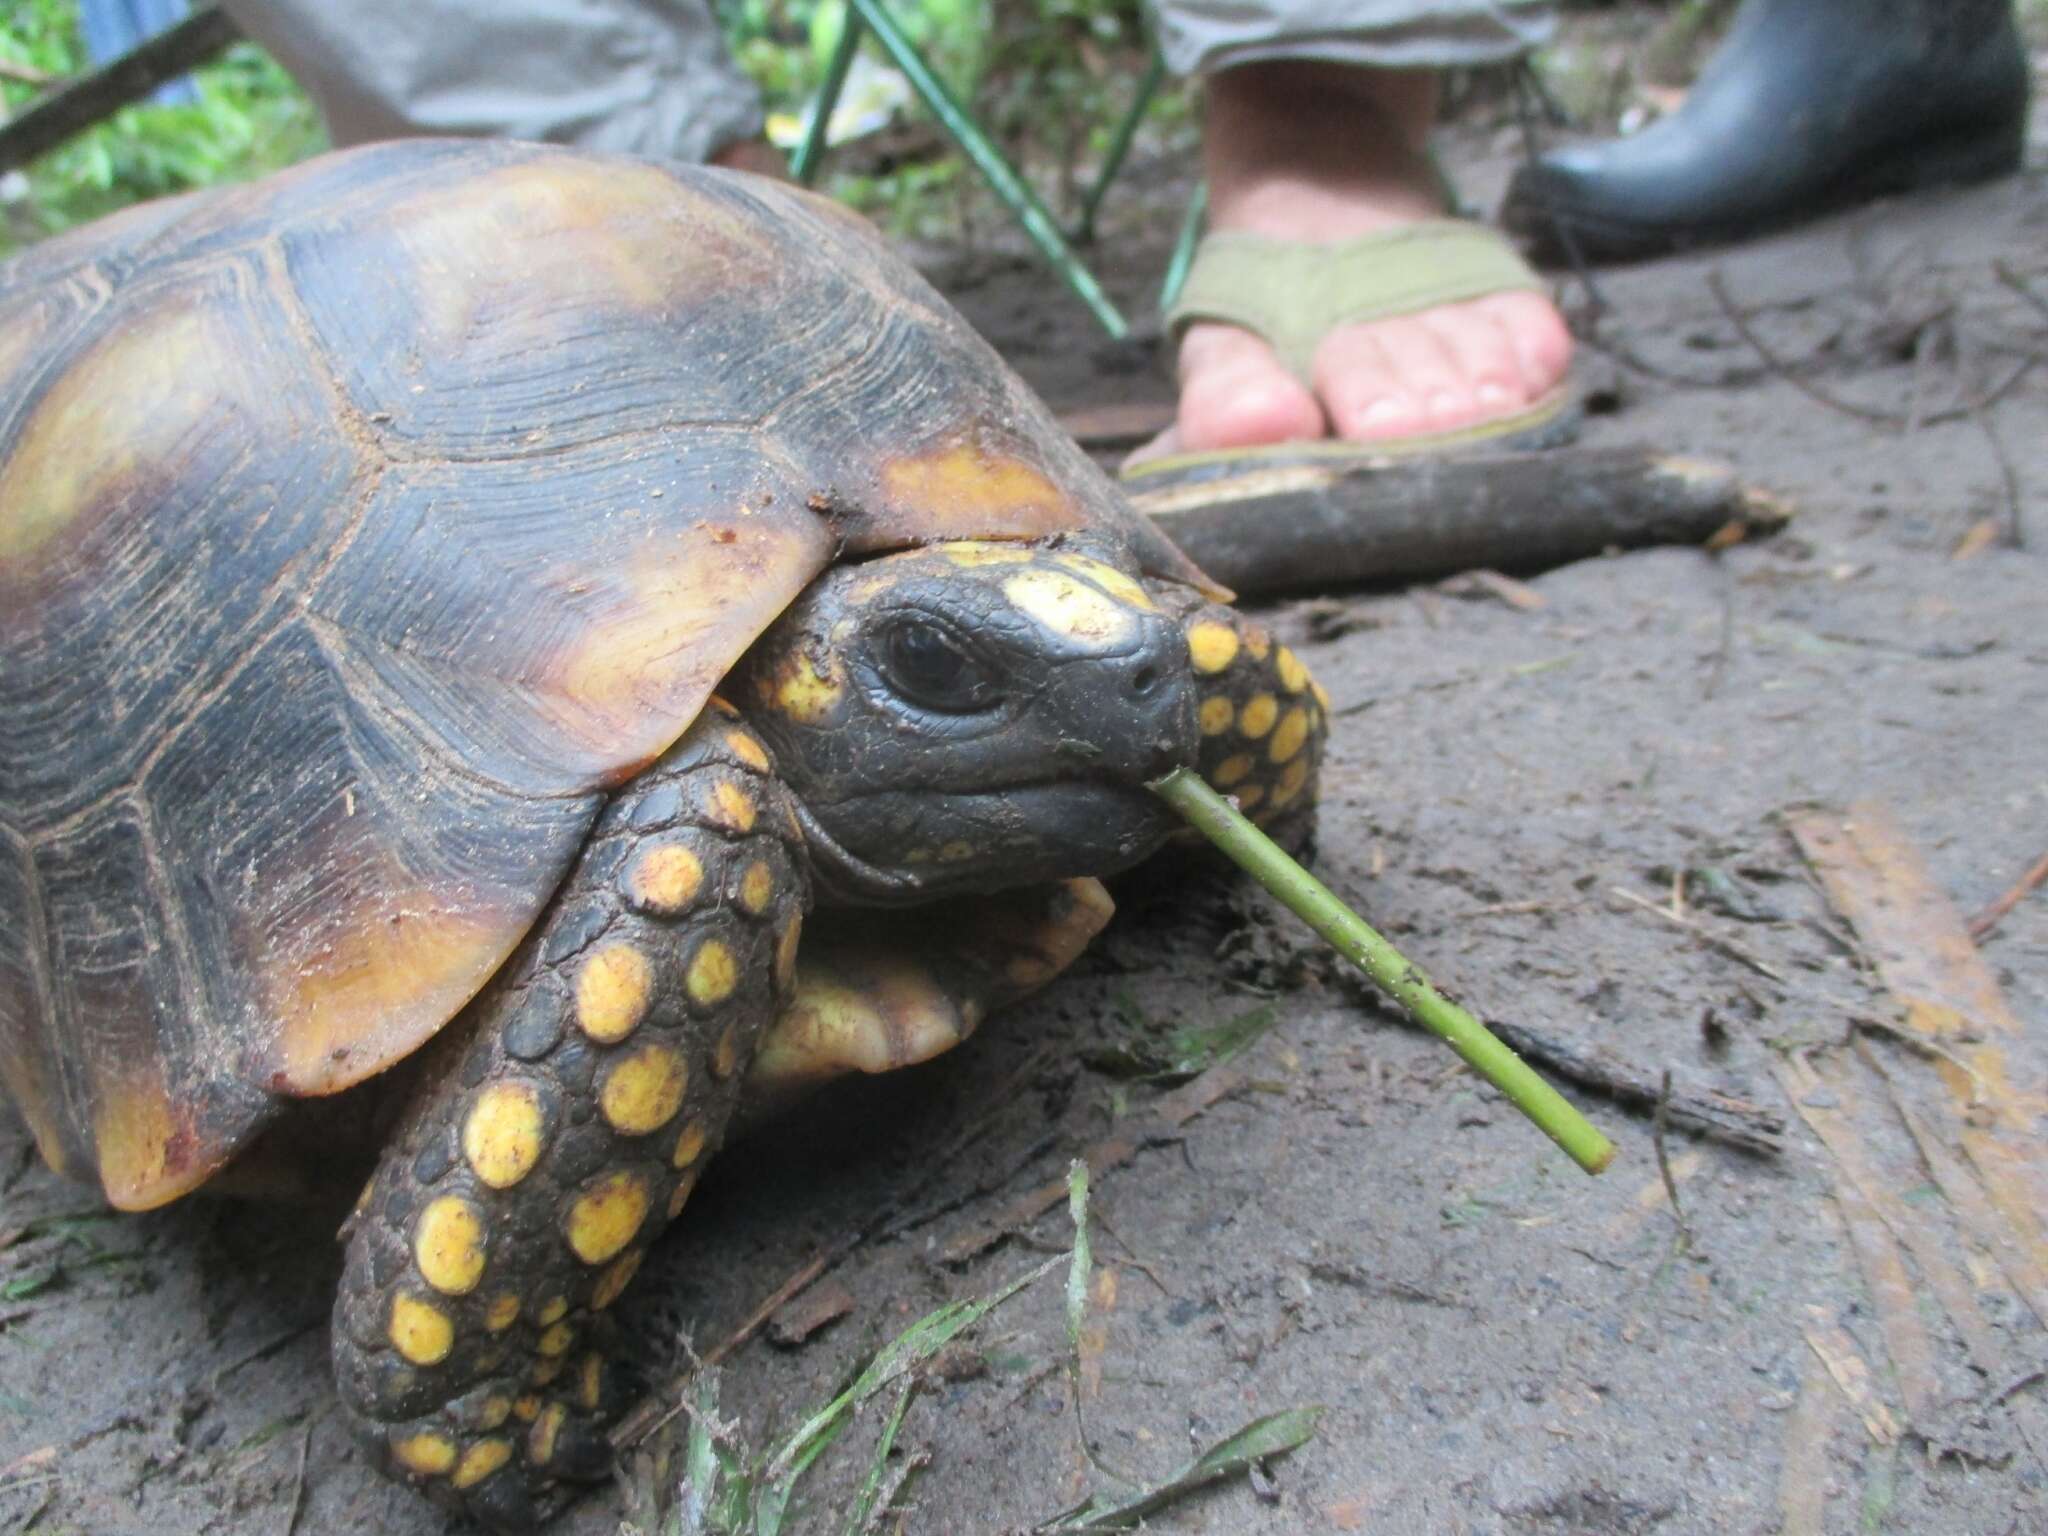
1294,294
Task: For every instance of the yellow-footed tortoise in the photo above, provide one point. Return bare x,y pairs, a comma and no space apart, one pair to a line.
372,541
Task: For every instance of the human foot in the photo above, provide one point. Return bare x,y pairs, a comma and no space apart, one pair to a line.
1319,155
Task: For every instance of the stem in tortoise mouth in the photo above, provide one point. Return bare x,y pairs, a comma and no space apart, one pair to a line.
1315,904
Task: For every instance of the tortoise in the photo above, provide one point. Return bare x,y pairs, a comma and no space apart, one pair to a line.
463,605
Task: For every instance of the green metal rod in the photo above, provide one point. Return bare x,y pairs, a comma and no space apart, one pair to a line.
1036,218
803,165
1119,146
1315,904
1184,248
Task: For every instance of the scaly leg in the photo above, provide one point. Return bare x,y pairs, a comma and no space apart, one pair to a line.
596,1076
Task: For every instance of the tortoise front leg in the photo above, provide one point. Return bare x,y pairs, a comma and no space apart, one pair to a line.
533,1171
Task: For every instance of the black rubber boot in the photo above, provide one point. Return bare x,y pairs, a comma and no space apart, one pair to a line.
1808,106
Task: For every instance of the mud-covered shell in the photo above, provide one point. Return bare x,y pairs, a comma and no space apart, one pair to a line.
358,530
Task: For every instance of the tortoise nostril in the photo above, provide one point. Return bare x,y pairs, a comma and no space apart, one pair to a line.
1144,680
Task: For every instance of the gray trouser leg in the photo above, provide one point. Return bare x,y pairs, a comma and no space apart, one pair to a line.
650,77
1203,36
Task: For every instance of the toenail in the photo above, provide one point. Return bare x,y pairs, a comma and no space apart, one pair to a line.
1382,411
1492,394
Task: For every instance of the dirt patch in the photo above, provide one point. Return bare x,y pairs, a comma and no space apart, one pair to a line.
1501,1344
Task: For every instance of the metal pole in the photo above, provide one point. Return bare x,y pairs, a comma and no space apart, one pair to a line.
803,165
1119,146
1016,193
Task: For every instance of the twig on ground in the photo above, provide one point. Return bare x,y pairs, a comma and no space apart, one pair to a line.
1890,420
2020,286
2015,516
1715,1116
1161,1124
1923,1045
1664,1161
1725,644
1983,922
291,1519
1706,936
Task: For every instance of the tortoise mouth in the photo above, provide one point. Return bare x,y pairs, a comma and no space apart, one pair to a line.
916,846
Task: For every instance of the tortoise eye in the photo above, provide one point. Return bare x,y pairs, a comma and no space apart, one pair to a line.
928,666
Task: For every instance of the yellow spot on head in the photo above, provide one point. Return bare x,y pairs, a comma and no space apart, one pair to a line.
1212,645
680,1195
1111,580
757,887
712,975
747,750
606,1215
545,1369
1291,782
480,1461
1232,770
505,1131
1258,715
1250,796
664,879
801,692
1070,608
502,1313
420,1331
731,808
449,1245
495,1411
689,1145
1293,675
526,1409
556,1308
1287,739
556,1340
1216,715
613,991
428,1454
725,1055
615,1280
540,1440
590,1382
785,953
643,1091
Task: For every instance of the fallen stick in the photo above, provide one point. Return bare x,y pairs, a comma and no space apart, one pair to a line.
1321,519
1713,1116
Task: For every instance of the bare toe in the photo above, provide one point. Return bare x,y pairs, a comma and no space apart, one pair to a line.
1392,378
1235,394
1536,334
1488,365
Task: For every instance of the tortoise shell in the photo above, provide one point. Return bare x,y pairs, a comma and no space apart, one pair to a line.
358,530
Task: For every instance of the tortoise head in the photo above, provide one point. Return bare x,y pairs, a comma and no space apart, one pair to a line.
973,717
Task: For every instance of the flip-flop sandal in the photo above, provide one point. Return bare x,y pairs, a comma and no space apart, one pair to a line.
1294,294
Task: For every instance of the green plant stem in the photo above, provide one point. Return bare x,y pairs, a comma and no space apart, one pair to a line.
1315,904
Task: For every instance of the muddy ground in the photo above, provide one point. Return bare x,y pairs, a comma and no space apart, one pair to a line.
1837,1341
